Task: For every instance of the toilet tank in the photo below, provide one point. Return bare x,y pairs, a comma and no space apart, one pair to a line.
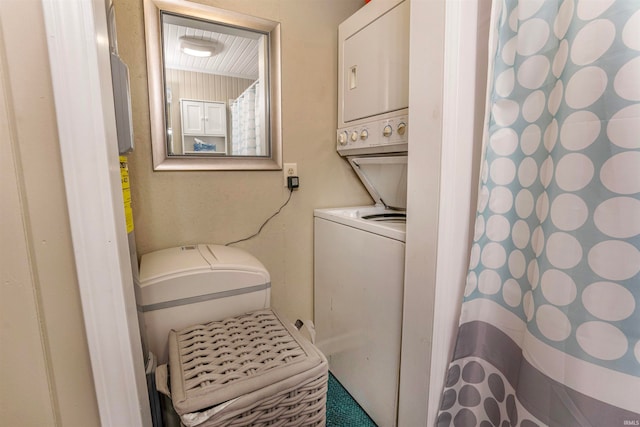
188,285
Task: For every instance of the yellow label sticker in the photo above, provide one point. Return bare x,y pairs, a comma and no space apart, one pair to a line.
126,192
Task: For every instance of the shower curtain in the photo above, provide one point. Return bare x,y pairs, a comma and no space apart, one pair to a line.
245,123
550,325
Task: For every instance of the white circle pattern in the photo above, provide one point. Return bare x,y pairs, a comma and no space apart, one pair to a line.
542,207
502,171
560,194
472,283
520,234
489,282
602,340
579,130
618,217
537,240
585,87
593,40
555,98
626,83
505,112
527,9
558,287
505,82
532,36
474,258
504,142
574,172
624,127
493,256
608,301
563,20
533,106
524,203
527,172
501,200
563,250
533,273
551,135
498,228
513,19
553,323
479,228
533,71
631,32
614,260
588,10
530,139
509,51
529,306
569,212
546,172
512,293
517,264
620,173
560,60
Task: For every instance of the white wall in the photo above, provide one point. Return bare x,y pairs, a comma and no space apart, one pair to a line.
447,97
45,371
425,118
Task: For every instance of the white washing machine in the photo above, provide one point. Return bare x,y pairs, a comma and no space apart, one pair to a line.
358,283
359,251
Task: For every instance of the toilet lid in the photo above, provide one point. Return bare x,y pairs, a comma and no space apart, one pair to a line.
197,259
195,271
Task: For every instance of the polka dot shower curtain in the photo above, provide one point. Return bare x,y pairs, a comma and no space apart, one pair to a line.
550,326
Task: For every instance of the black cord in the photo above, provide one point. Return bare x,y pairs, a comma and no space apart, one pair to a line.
264,223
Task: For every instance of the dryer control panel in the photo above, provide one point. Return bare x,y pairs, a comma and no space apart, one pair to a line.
386,135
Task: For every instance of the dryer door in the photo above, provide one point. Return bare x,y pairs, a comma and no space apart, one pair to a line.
375,64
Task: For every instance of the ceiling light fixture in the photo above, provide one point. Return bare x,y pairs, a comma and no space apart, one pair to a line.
198,47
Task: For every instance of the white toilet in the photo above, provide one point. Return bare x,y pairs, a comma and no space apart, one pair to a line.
190,285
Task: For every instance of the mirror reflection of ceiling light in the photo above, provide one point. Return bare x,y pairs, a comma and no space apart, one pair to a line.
198,47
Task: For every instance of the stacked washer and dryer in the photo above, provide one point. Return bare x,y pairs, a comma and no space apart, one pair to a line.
359,251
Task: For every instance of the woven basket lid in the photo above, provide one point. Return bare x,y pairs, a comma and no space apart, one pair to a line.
219,361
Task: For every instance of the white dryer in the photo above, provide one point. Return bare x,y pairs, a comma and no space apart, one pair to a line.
359,251
358,282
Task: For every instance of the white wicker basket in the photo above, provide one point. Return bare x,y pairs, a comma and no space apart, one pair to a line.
249,370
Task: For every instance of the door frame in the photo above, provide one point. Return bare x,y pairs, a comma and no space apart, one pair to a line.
79,56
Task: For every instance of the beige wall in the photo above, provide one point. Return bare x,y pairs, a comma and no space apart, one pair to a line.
175,208
45,375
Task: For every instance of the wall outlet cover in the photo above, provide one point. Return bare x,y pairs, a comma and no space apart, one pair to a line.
289,169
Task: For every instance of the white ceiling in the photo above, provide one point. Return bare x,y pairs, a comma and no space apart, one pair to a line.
238,57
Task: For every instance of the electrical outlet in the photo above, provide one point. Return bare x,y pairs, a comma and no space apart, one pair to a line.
289,169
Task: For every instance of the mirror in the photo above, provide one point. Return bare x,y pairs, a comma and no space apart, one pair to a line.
214,88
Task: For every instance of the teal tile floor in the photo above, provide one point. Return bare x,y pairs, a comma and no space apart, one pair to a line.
342,410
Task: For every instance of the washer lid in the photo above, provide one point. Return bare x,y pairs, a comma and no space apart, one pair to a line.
385,178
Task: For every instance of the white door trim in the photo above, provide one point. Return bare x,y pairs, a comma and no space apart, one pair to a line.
81,75
460,134
437,258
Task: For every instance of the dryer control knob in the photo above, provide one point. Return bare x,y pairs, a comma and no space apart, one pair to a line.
402,128
342,138
354,135
387,131
364,134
